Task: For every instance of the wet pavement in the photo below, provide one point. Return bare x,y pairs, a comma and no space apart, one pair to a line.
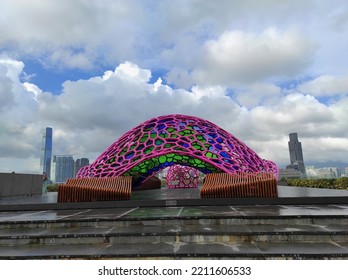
145,204
154,224
242,211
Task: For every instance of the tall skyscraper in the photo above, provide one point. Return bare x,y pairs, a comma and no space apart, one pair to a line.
79,163
46,151
296,156
63,168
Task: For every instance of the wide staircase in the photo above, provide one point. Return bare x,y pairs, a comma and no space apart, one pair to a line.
152,236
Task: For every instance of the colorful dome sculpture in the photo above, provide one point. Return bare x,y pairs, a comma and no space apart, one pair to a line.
176,139
181,176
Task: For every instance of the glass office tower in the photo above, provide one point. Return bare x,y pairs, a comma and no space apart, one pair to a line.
63,168
46,151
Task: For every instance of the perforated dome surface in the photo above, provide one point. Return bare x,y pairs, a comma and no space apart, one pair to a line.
176,139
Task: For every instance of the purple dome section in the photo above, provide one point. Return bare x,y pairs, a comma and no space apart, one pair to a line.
176,139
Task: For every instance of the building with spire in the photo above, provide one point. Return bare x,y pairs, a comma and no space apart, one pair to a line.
296,155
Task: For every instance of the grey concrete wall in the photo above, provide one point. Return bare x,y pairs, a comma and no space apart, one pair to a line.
15,184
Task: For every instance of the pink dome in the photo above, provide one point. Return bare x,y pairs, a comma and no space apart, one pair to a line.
176,139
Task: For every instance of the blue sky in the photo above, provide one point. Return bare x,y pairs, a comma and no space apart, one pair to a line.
51,79
92,70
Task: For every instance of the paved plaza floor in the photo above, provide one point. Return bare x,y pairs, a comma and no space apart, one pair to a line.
176,212
151,202
318,218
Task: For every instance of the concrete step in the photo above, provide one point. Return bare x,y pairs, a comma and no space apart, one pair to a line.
237,250
173,233
178,221
294,237
227,239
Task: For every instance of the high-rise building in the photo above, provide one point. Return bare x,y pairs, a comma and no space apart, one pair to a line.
63,168
46,151
296,156
79,163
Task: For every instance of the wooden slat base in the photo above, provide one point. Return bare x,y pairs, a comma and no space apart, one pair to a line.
239,185
95,189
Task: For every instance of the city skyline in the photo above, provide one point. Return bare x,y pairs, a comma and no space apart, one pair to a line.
257,68
48,158
57,167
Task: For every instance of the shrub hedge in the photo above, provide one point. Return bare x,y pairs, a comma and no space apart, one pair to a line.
339,183
52,188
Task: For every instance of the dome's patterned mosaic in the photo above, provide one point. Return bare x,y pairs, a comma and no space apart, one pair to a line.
176,139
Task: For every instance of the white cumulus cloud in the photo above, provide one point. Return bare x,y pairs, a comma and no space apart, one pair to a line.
326,85
258,68
90,114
